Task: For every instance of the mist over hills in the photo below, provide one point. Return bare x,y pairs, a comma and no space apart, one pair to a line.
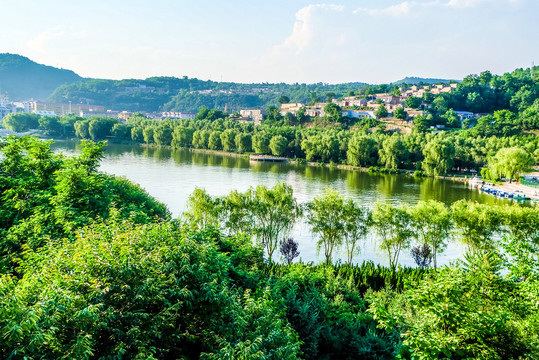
412,80
23,78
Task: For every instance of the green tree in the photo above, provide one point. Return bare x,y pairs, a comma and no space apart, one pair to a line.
137,134
431,222
214,141
399,113
100,128
393,226
162,135
381,112
362,150
357,221
393,152
333,112
413,102
228,138
201,139
476,224
182,137
509,163
439,155
326,217
243,142
278,145
148,133
283,99
275,212
261,142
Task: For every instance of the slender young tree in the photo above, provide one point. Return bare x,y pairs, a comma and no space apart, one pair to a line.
392,224
326,218
431,222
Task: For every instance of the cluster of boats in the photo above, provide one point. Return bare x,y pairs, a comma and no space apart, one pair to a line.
490,189
505,194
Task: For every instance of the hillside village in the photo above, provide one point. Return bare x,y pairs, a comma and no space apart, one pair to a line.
353,107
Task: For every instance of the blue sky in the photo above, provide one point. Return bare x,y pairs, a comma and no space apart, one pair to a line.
274,40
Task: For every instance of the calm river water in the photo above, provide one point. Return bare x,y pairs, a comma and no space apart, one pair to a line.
171,175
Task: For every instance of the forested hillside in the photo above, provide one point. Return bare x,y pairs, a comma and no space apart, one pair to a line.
24,79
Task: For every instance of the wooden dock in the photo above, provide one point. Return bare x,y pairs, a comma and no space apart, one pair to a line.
267,158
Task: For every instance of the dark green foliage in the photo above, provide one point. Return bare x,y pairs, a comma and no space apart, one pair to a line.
328,313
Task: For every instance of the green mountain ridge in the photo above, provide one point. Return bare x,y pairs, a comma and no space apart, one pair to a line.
24,79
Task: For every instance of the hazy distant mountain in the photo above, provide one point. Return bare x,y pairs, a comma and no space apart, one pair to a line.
23,78
417,80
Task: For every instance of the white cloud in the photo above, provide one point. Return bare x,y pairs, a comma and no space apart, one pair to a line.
304,29
40,42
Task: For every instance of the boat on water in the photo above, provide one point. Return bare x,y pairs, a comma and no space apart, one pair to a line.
475,181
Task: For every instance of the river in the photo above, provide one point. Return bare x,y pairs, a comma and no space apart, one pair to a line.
171,175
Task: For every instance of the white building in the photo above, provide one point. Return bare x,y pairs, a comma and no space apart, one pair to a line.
177,115
256,116
358,114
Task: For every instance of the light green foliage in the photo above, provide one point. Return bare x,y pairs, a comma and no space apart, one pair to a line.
228,140
267,213
121,131
337,222
243,142
393,152
431,222
275,212
278,145
325,216
362,150
393,226
509,163
201,139
214,141
162,135
148,133
182,137
261,142
20,122
476,224
202,210
81,129
439,156
324,147
100,128
357,221
137,134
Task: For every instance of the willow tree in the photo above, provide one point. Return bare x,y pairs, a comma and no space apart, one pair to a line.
431,222
392,224
274,212
509,163
326,218
476,224
439,156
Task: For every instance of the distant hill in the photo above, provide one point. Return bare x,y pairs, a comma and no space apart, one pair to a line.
417,80
23,78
